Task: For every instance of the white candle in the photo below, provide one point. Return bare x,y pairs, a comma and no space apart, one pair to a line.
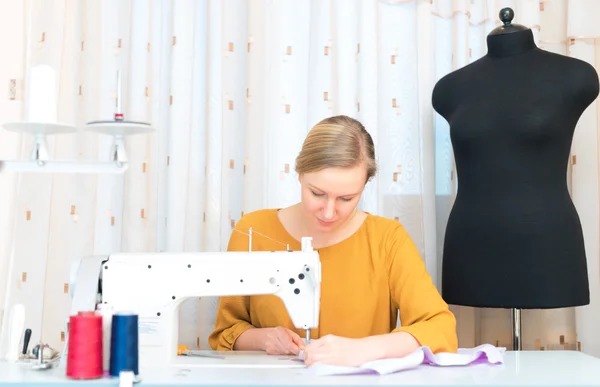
42,105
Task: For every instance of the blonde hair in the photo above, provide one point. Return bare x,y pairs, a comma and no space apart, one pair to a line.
337,142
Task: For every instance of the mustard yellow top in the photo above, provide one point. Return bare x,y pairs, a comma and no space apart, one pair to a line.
366,279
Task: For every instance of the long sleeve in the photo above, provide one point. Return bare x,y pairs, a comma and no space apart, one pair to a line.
233,313
423,312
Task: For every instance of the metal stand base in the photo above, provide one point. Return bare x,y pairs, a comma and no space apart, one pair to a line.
516,334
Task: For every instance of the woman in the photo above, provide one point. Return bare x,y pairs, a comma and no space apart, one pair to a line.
371,269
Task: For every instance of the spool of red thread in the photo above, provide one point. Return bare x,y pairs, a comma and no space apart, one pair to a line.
84,359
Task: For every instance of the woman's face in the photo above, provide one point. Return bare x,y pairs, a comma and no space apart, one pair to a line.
330,196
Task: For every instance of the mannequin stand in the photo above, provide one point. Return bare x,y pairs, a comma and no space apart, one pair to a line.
516,333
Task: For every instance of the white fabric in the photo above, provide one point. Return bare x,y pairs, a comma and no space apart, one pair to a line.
233,88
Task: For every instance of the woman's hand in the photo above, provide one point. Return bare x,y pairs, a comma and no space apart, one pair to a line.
282,341
335,350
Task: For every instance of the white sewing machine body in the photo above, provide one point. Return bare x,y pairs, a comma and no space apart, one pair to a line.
153,285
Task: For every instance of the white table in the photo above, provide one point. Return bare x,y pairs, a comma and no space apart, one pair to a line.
527,368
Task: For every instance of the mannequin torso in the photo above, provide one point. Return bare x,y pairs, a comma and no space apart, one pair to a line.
513,230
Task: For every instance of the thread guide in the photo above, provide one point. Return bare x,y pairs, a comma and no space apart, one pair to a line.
40,160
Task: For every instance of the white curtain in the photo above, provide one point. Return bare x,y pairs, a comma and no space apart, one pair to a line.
232,87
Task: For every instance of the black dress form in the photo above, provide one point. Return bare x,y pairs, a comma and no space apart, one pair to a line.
513,238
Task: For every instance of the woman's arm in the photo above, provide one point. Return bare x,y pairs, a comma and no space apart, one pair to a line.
274,341
426,319
252,339
423,313
233,326
233,312
391,345
233,319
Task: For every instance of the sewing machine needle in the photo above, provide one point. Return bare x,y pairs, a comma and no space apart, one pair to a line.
308,336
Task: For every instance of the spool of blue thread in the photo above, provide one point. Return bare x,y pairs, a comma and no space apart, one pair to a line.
124,347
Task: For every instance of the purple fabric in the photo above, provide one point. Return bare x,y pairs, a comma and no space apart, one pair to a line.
483,354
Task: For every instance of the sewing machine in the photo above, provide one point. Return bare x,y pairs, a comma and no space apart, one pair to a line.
153,285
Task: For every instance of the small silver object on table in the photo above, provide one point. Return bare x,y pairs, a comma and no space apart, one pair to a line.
39,363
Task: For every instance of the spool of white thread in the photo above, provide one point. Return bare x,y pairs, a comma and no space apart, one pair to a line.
106,312
17,323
